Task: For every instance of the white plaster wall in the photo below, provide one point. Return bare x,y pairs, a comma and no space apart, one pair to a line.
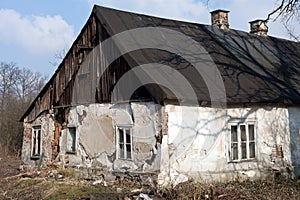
198,142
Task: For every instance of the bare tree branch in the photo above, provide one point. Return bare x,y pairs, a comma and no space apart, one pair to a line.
287,9
276,10
291,33
59,56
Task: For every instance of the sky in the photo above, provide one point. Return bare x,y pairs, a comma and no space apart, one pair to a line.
32,32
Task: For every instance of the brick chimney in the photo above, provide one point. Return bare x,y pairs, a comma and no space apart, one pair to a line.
259,27
219,18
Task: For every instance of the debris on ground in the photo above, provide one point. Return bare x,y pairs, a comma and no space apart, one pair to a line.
59,183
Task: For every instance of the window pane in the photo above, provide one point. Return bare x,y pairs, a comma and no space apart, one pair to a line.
128,139
71,139
33,145
128,150
36,141
34,136
73,135
252,150
234,151
251,131
39,142
121,136
243,133
124,143
244,151
121,150
233,133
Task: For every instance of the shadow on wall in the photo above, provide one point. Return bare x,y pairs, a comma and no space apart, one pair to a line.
272,144
294,123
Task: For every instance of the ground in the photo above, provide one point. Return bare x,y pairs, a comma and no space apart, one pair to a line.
58,183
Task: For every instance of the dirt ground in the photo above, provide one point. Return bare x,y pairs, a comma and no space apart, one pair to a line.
61,184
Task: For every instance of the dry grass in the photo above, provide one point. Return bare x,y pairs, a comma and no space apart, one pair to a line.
248,190
44,186
41,188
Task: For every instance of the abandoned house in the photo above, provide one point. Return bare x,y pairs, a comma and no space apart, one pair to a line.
143,94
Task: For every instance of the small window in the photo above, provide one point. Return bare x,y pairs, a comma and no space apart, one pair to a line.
242,142
124,142
36,142
71,140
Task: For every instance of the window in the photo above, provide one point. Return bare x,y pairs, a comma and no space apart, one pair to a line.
71,140
242,141
36,142
124,143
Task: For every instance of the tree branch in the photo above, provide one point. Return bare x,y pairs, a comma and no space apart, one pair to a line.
287,8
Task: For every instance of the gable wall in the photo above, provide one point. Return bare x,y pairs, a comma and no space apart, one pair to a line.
58,90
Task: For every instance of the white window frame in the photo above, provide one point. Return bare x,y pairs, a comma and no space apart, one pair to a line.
36,144
239,141
71,151
125,142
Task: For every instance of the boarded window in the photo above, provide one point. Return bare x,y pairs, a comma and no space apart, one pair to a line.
71,140
242,141
36,142
124,142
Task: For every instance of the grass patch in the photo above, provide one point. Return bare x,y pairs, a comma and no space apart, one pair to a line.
25,189
50,189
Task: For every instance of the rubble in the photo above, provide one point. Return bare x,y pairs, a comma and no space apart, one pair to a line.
143,197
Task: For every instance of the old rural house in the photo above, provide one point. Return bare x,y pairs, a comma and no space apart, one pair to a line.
228,108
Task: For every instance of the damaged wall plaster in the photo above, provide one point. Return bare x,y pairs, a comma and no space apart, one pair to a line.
47,129
96,135
178,141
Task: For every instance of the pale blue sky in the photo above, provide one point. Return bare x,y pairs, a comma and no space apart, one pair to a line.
32,31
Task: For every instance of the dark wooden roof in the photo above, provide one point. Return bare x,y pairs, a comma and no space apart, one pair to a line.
254,69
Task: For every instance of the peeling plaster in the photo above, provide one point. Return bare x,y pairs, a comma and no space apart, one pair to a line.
178,141
96,128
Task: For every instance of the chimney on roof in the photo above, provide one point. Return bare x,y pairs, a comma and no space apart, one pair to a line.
219,18
259,27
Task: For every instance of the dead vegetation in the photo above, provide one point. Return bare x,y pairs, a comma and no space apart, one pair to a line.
58,183
281,189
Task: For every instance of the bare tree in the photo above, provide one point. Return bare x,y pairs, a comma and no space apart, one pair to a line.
59,56
8,74
18,87
28,84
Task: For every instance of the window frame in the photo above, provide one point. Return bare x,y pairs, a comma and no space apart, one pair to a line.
249,156
36,144
71,151
125,143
